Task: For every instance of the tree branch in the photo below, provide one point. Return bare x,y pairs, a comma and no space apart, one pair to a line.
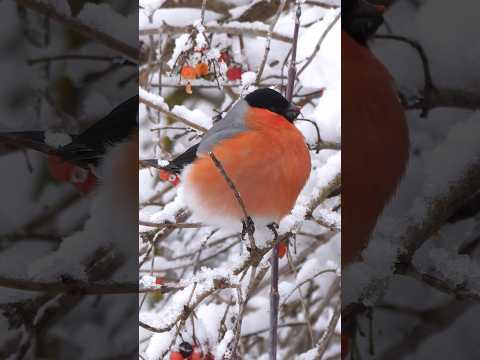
78,26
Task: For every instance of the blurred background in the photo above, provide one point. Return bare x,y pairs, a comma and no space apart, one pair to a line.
61,80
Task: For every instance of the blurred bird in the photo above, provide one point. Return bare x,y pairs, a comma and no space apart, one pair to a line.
375,144
261,151
375,140
78,161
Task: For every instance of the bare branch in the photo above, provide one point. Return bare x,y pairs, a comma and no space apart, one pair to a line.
269,39
78,26
219,29
172,115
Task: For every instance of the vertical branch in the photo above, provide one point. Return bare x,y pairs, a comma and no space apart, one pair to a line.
204,5
274,258
269,40
292,70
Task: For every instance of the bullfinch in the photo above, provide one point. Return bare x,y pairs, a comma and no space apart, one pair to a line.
261,151
375,142
77,161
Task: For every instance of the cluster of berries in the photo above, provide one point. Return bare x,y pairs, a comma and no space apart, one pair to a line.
188,352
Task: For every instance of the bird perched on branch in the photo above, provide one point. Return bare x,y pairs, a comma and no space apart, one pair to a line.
261,151
375,142
77,161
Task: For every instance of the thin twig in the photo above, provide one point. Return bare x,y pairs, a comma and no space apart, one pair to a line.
269,40
171,225
292,70
327,335
246,217
219,29
273,338
319,44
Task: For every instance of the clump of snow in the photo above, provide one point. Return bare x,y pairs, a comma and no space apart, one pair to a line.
147,280
195,116
57,139
248,78
155,99
151,5
222,346
182,43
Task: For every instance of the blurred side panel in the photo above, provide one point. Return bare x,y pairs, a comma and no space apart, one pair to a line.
69,179
410,180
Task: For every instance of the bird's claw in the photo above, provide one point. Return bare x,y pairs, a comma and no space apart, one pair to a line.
248,227
274,227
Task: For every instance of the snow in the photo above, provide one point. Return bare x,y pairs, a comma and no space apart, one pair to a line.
153,98
248,78
195,116
57,139
222,351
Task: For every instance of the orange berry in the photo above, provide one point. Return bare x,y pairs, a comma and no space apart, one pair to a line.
202,69
188,72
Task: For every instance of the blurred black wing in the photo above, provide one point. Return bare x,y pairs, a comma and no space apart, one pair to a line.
90,146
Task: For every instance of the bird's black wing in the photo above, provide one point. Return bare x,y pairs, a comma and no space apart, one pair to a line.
90,146
176,165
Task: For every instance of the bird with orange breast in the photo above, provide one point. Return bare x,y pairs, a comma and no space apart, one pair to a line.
261,151
375,143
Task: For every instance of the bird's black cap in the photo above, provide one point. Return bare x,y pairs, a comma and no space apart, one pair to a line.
361,19
272,100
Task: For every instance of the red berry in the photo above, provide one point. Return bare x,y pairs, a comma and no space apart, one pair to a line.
234,73
196,355
159,280
88,184
61,170
167,176
282,249
176,356
224,57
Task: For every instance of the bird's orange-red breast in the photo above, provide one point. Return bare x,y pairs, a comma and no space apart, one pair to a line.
269,164
375,144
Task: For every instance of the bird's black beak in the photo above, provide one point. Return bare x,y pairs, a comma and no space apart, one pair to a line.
292,112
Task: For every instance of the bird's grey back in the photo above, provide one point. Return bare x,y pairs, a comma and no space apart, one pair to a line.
233,123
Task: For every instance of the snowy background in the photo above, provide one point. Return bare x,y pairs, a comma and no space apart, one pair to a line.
202,287
426,309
